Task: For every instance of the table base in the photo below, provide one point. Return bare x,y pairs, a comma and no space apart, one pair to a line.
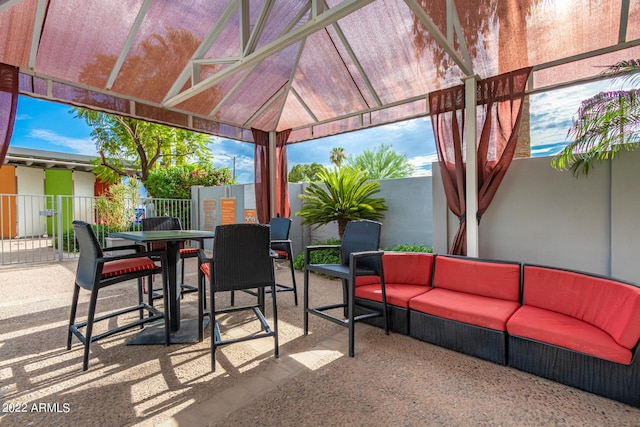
154,333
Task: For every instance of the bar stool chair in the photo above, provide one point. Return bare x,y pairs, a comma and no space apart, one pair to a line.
359,256
96,271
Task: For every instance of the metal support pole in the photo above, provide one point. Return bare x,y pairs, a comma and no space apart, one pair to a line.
59,218
470,138
272,173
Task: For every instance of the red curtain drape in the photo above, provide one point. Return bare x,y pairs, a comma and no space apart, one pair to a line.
8,106
499,111
283,209
261,175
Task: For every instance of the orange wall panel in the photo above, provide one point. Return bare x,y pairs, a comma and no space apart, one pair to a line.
8,187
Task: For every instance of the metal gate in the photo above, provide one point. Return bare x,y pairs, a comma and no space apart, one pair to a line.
38,228
27,229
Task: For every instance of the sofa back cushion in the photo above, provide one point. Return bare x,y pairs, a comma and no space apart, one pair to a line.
407,268
493,279
610,305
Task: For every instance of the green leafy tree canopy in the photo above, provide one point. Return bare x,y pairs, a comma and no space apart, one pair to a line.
343,195
132,148
382,162
175,182
305,172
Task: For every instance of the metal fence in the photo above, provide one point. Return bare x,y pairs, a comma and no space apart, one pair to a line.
38,228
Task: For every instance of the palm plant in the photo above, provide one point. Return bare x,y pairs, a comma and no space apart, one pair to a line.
607,123
348,196
337,155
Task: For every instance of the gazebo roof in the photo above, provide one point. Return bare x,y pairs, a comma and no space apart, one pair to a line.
320,67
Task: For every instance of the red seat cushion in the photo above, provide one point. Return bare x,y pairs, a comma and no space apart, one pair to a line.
491,313
566,331
189,251
125,266
397,294
484,278
205,269
281,254
612,306
409,268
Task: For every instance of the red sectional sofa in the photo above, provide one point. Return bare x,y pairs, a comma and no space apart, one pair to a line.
406,275
469,306
578,329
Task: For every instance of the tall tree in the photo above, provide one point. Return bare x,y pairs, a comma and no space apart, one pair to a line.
382,162
129,147
305,172
337,156
607,123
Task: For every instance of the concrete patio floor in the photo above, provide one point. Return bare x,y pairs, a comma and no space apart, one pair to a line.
393,380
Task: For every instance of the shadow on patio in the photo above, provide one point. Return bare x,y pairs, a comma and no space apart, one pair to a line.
392,380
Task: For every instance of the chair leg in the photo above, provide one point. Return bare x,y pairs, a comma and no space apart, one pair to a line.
306,302
293,276
233,298
345,298
150,290
213,326
275,320
201,302
89,330
385,313
72,316
182,277
204,296
141,298
351,312
165,294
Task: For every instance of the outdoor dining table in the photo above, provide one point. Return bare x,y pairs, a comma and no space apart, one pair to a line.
181,330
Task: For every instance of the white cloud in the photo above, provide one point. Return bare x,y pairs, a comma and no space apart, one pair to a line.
552,112
421,161
75,145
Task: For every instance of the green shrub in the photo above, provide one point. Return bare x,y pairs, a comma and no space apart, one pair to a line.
332,256
409,248
324,256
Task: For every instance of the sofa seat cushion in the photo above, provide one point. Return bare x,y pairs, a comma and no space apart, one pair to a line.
568,332
126,266
409,268
397,294
491,313
493,279
611,305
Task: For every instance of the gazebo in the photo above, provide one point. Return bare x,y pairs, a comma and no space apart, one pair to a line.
278,72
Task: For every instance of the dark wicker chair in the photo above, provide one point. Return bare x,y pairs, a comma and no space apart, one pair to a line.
169,223
359,256
96,271
281,247
241,261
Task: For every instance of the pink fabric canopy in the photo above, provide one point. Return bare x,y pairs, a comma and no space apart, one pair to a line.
318,68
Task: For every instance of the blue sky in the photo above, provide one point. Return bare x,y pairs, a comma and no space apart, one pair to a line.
49,126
